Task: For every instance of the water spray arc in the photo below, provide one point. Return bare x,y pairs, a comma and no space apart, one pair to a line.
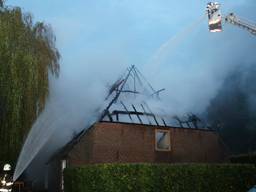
37,137
174,41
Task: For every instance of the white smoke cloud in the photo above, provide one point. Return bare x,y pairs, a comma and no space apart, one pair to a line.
98,46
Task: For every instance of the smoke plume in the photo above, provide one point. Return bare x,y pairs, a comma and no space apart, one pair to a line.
198,73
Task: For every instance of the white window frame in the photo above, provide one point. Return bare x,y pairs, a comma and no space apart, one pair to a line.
63,166
168,134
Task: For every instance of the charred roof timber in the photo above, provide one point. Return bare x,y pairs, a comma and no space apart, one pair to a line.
132,84
121,106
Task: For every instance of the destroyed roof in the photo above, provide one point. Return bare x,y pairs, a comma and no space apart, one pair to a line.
132,99
127,100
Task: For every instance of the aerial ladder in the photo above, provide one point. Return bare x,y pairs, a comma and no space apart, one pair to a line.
215,19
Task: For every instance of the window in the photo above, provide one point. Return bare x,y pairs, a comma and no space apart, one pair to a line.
162,140
63,166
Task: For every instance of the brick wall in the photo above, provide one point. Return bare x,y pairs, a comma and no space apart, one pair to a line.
107,142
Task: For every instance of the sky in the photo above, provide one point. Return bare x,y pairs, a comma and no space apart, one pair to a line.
129,29
165,40
103,37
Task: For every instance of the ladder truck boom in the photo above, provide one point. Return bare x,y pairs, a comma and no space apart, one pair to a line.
233,19
215,19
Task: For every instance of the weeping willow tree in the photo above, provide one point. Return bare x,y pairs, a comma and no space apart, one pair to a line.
27,55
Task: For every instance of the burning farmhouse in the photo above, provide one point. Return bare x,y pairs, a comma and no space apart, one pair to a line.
130,131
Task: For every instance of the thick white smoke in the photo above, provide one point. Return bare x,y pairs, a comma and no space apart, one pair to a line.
191,72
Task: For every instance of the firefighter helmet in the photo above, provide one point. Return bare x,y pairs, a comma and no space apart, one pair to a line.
7,167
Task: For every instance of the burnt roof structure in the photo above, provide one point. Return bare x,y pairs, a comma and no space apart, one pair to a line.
127,100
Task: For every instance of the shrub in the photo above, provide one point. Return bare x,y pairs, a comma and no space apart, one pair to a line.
244,158
160,177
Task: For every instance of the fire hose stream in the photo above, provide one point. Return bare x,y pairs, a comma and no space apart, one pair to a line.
174,41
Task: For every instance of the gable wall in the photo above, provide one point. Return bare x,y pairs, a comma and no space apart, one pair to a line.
133,143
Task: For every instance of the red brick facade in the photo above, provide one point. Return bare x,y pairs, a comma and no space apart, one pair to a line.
107,142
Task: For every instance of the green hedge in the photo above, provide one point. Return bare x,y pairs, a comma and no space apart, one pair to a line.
244,158
156,178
